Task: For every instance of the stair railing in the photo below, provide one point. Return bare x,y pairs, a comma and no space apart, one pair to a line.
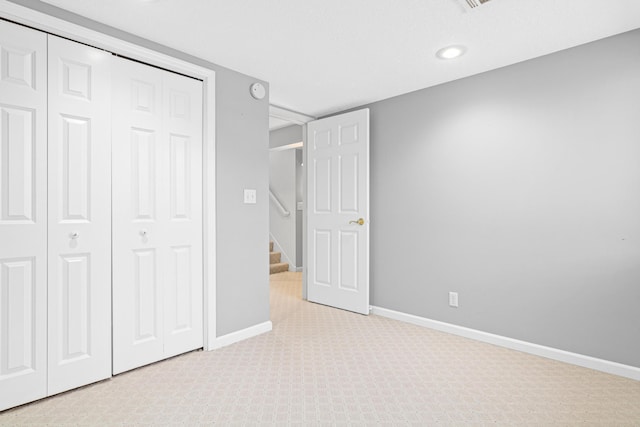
283,211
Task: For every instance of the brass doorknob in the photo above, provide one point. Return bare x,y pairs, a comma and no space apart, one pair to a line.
360,221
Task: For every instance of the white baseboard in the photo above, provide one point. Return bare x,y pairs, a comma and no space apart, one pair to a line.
299,269
526,347
242,334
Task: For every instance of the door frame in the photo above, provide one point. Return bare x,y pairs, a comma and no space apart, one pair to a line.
60,27
299,119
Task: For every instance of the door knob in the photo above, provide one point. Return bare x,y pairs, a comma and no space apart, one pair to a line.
360,221
74,235
143,232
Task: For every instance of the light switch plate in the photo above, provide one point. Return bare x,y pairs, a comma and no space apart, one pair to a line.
249,196
453,299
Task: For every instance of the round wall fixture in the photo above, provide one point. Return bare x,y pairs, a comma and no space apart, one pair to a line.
258,91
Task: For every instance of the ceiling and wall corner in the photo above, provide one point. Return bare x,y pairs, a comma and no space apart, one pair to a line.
324,56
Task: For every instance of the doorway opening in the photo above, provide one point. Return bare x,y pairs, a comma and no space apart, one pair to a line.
286,195
331,199
285,208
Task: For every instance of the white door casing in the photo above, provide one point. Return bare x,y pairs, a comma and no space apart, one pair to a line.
337,198
23,215
157,215
79,206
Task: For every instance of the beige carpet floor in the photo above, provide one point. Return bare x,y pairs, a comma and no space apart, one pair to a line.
322,366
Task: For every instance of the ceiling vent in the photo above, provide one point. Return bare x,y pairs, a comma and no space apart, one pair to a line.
472,4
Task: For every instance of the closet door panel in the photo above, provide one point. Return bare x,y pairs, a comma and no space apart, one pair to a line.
79,187
183,222
23,215
139,183
157,215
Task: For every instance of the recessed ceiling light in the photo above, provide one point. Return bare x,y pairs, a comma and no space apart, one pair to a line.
451,52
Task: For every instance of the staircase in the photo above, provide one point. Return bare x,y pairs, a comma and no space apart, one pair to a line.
275,266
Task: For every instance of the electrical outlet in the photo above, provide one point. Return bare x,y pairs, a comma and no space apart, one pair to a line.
453,299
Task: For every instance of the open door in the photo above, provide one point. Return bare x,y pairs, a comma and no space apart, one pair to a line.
337,242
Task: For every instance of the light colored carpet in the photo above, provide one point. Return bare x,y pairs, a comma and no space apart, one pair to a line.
322,366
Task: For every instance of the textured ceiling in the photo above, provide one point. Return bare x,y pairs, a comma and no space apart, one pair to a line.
323,56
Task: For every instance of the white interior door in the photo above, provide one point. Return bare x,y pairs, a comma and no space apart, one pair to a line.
23,215
79,215
338,211
157,215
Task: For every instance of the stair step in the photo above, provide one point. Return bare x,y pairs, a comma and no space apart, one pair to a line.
275,257
278,268
270,246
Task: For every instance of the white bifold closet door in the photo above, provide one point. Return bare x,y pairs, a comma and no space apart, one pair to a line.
55,225
157,215
79,246
23,215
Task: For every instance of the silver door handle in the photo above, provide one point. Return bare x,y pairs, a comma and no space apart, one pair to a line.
74,235
143,232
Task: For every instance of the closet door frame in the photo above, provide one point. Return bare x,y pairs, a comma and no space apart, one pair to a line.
23,15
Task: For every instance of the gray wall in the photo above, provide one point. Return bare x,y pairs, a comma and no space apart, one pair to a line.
242,161
282,181
242,139
285,136
520,189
